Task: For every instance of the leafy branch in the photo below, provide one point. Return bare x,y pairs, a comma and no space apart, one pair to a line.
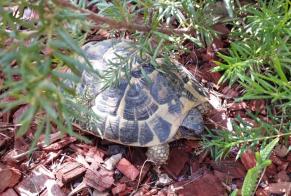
116,24
245,135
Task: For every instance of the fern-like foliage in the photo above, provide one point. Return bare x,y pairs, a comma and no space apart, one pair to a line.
259,56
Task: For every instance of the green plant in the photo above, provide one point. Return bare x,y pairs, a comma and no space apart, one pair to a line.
245,135
254,174
33,52
259,56
259,60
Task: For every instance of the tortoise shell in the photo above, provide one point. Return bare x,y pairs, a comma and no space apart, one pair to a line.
139,111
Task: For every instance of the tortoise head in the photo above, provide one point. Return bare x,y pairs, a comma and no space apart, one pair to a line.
192,124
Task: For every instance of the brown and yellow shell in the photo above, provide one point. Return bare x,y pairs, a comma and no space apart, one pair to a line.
137,112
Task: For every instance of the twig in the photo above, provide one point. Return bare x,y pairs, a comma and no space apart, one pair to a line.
141,170
130,26
24,153
262,174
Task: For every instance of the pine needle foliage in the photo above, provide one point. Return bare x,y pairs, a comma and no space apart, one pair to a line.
32,55
259,56
245,135
259,59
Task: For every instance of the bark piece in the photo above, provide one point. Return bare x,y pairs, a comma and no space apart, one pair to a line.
61,144
195,165
15,157
99,180
258,106
19,112
52,189
281,150
53,137
231,168
271,170
118,189
207,185
248,159
34,183
94,154
51,156
289,156
9,177
223,177
221,28
177,160
280,188
282,176
218,119
276,160
4,140
231,92
208,74
110,163
126,168
9,192
262,192
70,171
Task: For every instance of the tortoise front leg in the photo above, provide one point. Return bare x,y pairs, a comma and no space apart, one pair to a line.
158,154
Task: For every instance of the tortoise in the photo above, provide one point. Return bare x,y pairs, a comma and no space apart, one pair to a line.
147,109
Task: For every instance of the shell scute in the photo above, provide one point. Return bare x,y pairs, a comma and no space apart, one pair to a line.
147,68
161,127
129,132
112,128
175,106
108,101
138,105
145,134
161,90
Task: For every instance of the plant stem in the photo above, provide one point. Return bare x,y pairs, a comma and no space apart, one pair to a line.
260,138
130,25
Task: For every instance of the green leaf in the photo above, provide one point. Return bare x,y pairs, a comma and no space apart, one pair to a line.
278,68
234,193
157,50
145,75
70,42
66,76
47,131
266,151
39,130
72,63
228,6
26,119
250,181
48,108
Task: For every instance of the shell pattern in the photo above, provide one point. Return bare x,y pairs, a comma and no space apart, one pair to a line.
137,112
